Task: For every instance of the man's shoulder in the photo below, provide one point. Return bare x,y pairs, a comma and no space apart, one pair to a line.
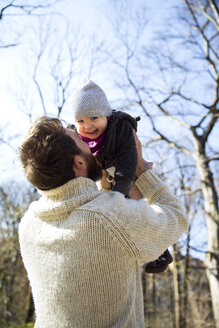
29,226
28,214
105,204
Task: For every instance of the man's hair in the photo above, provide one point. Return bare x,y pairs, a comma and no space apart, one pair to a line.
47,154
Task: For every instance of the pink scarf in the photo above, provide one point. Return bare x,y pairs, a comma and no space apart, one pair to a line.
96,144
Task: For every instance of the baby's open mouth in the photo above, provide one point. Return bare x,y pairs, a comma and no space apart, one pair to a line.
93,132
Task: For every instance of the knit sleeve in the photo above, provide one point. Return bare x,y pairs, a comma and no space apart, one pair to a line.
155,222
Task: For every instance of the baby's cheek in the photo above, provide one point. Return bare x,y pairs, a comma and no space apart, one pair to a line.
79,128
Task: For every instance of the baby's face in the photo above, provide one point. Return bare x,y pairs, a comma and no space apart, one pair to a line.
91,127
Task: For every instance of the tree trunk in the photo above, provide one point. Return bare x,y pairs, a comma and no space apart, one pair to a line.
144,287
185,283
30,307
212,220
172,299
154,315
176,285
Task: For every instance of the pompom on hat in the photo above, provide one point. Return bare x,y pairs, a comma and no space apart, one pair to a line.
90,100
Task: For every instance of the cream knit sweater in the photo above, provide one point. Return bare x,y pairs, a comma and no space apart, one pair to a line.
83,249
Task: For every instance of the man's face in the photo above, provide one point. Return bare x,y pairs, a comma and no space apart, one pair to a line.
79,142
94,169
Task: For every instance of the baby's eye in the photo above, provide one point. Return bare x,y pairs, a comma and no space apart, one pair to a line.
94,118
80,121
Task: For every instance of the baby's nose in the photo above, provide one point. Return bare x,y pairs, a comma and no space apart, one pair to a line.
88,126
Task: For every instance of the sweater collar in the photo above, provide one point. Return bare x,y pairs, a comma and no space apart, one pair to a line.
56,204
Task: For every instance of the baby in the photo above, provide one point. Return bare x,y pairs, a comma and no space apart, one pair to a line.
109,135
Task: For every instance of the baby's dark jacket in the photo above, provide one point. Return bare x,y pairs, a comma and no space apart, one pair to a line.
119,150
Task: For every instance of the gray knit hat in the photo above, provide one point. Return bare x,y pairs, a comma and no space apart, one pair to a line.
90,100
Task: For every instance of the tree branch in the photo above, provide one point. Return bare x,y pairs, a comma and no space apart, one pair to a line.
178,93
4,8
166,113
206,40
9,45
28,9
214,118
141,104
36,82
209,17
216,158
215,11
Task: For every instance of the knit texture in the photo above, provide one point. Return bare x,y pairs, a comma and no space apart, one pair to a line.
90,100
82,250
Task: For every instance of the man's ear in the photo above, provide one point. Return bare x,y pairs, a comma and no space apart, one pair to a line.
79,166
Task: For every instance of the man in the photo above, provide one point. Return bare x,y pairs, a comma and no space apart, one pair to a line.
83,248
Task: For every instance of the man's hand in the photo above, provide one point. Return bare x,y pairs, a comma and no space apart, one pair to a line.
142,164
135,192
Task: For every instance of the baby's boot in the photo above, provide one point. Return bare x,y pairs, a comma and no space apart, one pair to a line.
160,264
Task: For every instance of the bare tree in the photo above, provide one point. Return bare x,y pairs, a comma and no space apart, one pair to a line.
175,81
10,9
61,57
14,286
